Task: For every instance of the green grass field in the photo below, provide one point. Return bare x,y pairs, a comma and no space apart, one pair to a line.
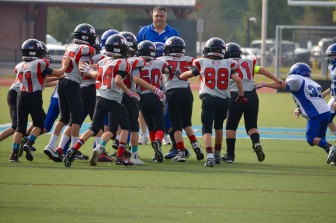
293,184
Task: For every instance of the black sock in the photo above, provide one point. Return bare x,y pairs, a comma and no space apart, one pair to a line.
230,147
172,138
326,147
255,138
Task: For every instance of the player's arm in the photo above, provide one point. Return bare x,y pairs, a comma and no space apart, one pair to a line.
325,93
119,80
190,73
65,64
150,87
87,70
239,84
275,85
268,74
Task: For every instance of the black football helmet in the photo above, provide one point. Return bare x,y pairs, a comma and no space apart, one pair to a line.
97,46
215,47
85,33
330,54
46,52
174,46
233,50
116,45
32,49
146,49
106,35
132,42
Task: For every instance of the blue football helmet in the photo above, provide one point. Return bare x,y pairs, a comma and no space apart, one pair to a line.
106,35
159,49
330,54
301,69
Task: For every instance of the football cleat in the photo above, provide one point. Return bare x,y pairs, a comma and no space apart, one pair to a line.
258,150
80,156
228,159
331,155
210,162
157,149
143,140
52,154
180,157
217,159
135,159
122,160
94,156
69,157
104,157
197,150
29,151
14,157
115,144
165,140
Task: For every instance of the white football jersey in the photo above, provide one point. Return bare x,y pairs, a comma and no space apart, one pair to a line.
152,74
215,76
246,74
30,74
105,81
307,95
179,65
77,53
136,64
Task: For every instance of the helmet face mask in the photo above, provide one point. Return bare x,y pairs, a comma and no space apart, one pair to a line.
174,46
215,47
116,45
233,50
330,54
146,50
132,42
85,34
32,49
301,69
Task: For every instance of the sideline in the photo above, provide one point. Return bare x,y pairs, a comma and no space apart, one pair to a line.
280,133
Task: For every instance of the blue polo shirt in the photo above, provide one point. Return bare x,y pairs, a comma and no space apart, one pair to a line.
148,33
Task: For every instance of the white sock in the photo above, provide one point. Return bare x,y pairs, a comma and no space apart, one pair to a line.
53,140
63,141
74,139
97,139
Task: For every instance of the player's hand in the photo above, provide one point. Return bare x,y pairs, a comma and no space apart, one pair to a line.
297,112
65,61
134,95
85,69
159,93
241,99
